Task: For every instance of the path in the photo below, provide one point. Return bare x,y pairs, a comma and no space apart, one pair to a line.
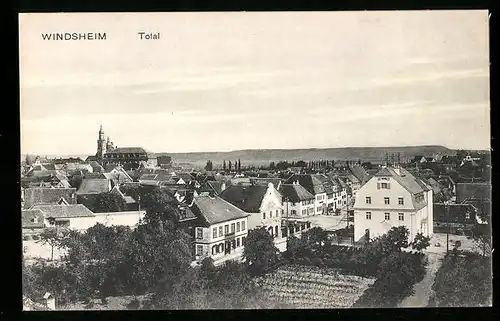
423,289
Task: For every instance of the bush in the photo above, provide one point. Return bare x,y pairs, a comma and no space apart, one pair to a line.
464,279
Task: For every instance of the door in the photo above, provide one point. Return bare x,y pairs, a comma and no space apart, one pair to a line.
367,235
228,247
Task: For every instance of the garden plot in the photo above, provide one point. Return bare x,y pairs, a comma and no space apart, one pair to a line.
311,287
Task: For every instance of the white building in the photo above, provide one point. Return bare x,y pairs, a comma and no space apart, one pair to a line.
297,201
80,218
314,186
393,197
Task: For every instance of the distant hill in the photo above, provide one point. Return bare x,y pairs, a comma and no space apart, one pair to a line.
259,157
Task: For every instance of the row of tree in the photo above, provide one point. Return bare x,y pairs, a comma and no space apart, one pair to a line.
236,166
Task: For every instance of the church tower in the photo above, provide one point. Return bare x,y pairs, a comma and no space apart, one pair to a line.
101,145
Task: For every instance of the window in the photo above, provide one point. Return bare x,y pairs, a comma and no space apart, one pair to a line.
238,242
368,200
243,239
226,229
467,216
243,225
277,213
199,233
282,212
385,185
304,212
233,227
276,231
401,216
220,231
318,209
214,232
387,216
238,227
294,212
368,215
199,249
401,201
387,201
264,215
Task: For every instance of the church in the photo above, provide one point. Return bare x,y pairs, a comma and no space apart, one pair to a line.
128,157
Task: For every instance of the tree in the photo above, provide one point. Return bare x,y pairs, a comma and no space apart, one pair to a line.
395,239
52,236
260,253
315,238
209,166
272,165
301,163
230,165
239,165
29,159
481,234
108,202
75,181
420,242
224,165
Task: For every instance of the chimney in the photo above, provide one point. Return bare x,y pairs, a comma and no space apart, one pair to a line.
50,301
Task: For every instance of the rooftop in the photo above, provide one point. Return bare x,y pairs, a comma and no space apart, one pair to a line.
64,211
295,193
216,210
246,197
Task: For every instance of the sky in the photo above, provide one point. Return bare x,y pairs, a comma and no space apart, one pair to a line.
255,80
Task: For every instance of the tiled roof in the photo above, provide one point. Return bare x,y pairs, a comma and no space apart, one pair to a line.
43,195
265,181
64,211
29,216
309,182
405,179
216,210
127,199
295,193
129,150
327,184
475,191
246,197
360,173
95,176
186,177
94,186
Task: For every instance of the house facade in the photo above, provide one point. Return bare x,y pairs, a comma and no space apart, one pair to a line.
314,186
263,204
297,201
393,197
220,230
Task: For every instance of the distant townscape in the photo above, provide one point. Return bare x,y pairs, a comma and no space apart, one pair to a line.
130,229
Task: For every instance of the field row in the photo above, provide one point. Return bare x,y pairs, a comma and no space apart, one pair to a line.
304,282
348,279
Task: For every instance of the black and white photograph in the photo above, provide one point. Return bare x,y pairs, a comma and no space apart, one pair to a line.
255,160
